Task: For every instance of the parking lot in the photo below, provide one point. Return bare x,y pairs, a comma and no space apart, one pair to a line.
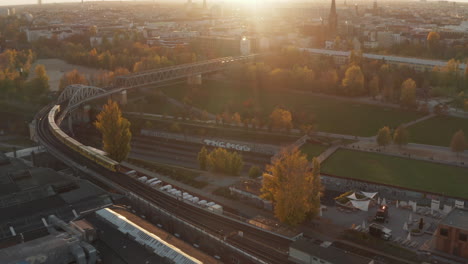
395,222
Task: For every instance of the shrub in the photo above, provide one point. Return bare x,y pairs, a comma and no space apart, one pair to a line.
254,172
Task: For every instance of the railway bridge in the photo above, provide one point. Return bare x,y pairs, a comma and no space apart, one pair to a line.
76,95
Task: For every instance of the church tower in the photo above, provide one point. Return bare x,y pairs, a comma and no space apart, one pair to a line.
333,19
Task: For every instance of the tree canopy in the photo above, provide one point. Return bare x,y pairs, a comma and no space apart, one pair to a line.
72,77
458,142
292,187
281,118
115,130
353,81
408,93
384,136
401,136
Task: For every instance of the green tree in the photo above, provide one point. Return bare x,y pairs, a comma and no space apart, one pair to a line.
235,163
401,136
458,142
353,81
408,93
289,184
384,136
254,172
203,158
115,130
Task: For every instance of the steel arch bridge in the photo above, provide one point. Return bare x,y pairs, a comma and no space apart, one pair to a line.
78,94
175,72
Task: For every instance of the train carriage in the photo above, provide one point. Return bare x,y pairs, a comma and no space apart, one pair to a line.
77,146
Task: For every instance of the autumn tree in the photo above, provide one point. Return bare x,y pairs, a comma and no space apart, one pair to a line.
72,77
39,85
221,160
353,81
401,136
384,136
290,185
281,118
433,39
317,188
115,130
236,119
374,88
408,93
458,142
203,158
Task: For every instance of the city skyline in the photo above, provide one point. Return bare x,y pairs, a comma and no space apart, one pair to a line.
32,2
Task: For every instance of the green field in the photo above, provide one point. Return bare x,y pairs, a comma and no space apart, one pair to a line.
313,150
407,173
155,107
332,115
437,130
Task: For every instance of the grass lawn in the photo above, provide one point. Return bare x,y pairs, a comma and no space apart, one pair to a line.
313,150
144,106
414,174
438,130
332,115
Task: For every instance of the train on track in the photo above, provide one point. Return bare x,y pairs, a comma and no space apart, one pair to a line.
77,146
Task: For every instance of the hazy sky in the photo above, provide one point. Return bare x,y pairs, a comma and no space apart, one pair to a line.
26,2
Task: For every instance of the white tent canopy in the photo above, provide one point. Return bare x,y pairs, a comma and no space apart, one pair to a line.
369,195
352,196
361,205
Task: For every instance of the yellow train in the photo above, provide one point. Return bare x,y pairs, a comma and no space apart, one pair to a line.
77,146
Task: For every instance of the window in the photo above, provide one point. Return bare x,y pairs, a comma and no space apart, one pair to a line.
462,237
443,232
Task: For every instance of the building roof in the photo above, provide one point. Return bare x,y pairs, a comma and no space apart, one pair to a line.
153,239
457,218
327,252
395,59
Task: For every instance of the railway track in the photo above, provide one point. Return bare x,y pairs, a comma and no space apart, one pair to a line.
216,224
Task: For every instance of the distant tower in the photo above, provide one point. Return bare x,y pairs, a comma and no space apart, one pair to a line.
356,9
333,19
204,4
375,5
39,2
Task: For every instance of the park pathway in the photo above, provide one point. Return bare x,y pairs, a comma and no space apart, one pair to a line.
327,153
419,120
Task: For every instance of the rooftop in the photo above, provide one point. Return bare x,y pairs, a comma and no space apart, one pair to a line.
327,252
457,218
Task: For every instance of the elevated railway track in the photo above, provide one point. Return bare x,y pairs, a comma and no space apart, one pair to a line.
218,225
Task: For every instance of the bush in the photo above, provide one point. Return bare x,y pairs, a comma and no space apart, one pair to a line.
221,160
254,172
